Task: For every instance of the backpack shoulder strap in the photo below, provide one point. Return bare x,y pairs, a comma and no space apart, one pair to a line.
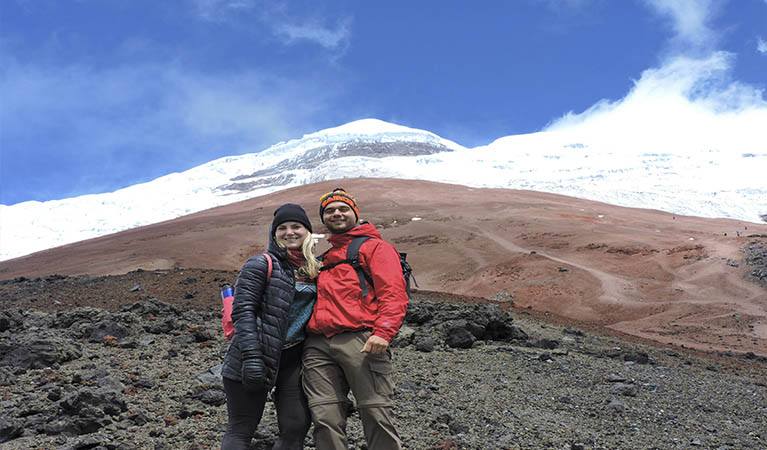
353,250
269,266
353,258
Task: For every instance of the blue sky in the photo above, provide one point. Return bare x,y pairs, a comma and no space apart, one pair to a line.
101,94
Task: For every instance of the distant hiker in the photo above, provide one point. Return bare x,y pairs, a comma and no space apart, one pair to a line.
269,317
348,335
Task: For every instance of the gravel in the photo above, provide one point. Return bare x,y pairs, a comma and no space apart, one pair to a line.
144,375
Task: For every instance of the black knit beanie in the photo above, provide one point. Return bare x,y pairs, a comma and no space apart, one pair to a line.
290,212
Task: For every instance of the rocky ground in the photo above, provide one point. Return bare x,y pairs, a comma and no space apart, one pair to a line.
756,259
130,362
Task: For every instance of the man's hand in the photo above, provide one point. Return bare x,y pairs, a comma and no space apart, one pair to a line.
375,345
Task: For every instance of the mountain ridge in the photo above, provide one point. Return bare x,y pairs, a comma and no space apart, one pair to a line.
713,183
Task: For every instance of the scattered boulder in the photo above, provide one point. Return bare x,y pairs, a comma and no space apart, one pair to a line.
637,357
7,377
164,326
94,442
10,429
145,383
200,334
153,307
615,406
458,428
419,313
424,344
182,340
615,378
107,326
77,317
574,331
488,322
628,390
108,383
546,344
138,418
458,336
209,395
90,409
38,353
211,376
11,319
404,337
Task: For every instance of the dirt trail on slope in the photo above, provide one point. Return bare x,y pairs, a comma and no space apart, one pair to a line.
614,288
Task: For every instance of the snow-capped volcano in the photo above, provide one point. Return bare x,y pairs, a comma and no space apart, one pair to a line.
32,226
707,182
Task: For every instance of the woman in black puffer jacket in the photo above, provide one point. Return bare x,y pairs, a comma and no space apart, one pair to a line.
269,318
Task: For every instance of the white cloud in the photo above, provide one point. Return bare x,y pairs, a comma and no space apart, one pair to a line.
220,10
328,37
289,26
686,98
761,44
688,104
151,111
690,22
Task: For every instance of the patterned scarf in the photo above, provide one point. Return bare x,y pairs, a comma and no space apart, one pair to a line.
296,257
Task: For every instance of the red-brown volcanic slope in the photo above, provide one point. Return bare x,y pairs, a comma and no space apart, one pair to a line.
642,272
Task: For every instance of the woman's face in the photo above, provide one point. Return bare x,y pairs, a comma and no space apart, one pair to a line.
291,235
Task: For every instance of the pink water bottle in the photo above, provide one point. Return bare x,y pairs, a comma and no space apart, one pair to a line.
227,299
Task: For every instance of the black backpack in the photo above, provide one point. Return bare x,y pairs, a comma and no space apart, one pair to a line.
353,259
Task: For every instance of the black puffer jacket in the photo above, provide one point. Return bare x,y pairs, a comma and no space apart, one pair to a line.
272,305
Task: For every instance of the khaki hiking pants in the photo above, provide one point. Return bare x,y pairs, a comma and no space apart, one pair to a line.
334,365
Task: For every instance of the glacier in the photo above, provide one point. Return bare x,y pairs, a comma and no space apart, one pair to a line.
695,177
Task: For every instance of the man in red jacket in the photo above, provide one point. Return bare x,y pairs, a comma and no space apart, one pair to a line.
348,335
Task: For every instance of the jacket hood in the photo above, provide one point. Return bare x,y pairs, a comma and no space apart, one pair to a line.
363,229
272,247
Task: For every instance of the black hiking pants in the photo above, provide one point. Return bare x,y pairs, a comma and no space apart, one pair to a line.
245,408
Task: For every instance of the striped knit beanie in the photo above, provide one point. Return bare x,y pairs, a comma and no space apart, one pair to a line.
338,195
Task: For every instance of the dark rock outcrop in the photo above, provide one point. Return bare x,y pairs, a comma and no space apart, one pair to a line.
461,326
38,353
756,259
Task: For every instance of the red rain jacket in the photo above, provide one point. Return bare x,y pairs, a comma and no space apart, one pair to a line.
340,306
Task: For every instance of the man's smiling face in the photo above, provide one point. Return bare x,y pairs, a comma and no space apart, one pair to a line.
339,217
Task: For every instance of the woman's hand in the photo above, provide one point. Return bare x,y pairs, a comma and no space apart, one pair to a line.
253,372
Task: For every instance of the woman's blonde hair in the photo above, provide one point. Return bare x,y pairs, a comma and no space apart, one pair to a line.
311,265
